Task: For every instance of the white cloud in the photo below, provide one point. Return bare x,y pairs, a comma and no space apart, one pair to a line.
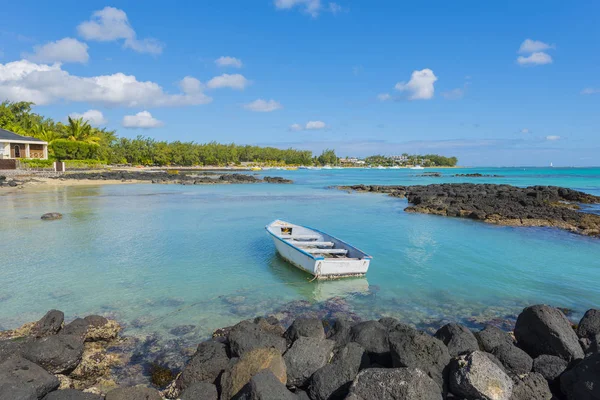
63,50
384,97
309,126
590,90
552,138
94,117
226,61
420,86
539,58
143,120
525,131
110,24
311,7
533,46
454,94
314,125
261,105
190,85
45,84
235,81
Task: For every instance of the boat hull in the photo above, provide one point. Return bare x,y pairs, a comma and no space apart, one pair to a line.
321,267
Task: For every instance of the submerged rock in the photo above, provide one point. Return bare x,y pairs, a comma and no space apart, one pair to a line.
52,216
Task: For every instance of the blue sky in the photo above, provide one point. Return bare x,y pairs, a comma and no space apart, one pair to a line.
362,77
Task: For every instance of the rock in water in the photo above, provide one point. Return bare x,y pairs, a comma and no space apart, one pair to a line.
413,349
71,394
513,358
491,337
52,216
589,326
200,391
305,357
17,372
550,367
247,335
49,324
209,361
458,338
56,354
265,386
252,362
333,380
394,384
542,329
531,386
133,393
582,382
309,327
475,376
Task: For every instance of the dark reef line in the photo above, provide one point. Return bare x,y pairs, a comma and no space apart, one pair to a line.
541,206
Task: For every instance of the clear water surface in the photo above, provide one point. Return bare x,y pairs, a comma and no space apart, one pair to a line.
160,256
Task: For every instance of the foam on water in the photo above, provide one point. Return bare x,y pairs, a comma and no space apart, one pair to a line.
158,257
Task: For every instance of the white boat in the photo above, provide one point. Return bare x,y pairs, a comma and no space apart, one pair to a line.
319,254
417,167
327,167
381,167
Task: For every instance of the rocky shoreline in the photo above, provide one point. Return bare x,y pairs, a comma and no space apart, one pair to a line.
157,177
545,357
539,206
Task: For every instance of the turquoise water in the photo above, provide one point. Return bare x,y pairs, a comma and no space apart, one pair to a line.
160,256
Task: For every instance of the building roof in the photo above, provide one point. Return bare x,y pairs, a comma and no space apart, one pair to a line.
9,136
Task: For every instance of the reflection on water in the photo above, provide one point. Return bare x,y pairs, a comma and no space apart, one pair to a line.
185,260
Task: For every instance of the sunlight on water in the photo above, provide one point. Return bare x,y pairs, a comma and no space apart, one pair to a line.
158,257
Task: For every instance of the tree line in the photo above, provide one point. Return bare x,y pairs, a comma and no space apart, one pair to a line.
426,160
78,140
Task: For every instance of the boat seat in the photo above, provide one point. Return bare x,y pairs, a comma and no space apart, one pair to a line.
301,237
317,244
326,251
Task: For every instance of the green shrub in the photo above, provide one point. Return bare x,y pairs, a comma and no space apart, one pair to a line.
35,163
64,149
84,164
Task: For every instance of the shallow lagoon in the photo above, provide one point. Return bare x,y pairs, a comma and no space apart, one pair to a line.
161,256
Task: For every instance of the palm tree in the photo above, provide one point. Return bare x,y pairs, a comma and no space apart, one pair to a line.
15,128
45,133
79,130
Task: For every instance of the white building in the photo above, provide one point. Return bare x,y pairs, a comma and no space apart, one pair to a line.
13,146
